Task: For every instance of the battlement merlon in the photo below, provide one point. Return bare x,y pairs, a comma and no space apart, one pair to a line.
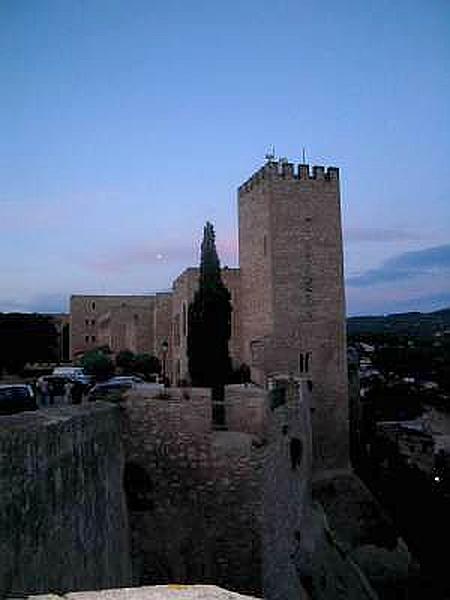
285,170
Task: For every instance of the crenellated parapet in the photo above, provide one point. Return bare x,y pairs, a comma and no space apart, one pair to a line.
279,170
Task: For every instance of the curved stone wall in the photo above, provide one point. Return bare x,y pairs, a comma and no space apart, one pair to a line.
63,521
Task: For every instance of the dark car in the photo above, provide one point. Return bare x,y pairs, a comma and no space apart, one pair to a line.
16,397
112,391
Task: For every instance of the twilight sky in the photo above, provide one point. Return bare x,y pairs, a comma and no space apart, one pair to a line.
125,125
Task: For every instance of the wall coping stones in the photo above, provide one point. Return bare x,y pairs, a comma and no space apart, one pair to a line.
157,592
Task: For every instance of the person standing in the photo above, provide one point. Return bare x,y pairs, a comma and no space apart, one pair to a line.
43,392
51,393
68,390
77,392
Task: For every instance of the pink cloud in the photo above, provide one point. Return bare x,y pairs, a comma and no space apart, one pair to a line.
140,255
167,253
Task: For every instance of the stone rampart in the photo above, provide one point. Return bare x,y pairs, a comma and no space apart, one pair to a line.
194,494
245,409
157,592
63,521
303,557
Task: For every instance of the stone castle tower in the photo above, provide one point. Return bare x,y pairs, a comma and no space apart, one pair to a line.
293,306
288,300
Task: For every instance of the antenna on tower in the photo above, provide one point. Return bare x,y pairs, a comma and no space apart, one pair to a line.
270,155
303,156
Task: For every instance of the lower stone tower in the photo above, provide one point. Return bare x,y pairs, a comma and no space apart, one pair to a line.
293,306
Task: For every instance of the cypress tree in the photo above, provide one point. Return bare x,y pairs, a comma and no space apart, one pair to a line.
209,321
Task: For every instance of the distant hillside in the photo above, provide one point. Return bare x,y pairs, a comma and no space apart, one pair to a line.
410,323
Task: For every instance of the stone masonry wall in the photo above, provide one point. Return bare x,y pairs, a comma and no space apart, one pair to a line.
245,409
194,495
184,288
157,592
255,245
293,294
287,488
302,556
63,522
162,328
86,312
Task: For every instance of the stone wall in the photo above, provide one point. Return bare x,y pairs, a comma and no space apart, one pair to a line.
161,330
302,556
157,592
194,495
128,327
245,409
290,245
97,320
63,522
255,259
287,488
184,288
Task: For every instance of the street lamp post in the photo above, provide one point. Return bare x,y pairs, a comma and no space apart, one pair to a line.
164,348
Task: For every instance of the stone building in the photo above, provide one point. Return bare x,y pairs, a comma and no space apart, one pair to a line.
292,291
287,298
144,324
120,322
184,288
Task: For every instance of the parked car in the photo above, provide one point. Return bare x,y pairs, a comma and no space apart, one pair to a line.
136,382
133,379
112,391
16,397
115,388
73,373
58,383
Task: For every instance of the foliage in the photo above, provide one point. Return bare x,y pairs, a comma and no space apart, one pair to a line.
412,324
393,402
209,321
146,364
411,345
125,361
26,338
98,364
142,364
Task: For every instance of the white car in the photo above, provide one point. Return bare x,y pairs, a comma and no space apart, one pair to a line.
74,373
